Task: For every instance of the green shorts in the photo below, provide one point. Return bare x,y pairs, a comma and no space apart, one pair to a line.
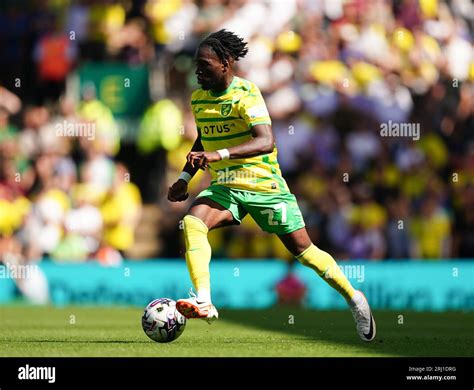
274,212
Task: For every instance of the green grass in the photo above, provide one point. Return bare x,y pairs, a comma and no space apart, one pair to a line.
50,332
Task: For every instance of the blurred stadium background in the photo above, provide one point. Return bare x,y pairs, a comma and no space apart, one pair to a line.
95,124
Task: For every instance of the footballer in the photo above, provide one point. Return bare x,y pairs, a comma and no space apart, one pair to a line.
235,142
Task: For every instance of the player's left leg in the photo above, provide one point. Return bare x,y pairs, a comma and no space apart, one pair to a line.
308,254
300,245
279,213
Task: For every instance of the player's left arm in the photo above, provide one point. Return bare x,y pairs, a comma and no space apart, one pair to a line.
262,142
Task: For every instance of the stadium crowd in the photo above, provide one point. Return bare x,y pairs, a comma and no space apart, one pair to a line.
372,104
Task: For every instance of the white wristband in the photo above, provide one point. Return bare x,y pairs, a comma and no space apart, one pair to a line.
185,176
224,153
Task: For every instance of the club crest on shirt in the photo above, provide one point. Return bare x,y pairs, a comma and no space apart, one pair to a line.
226,109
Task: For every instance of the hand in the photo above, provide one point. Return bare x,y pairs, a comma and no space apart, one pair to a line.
178,191
202,159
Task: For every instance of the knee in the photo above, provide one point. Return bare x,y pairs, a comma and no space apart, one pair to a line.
305,256
194,224
301,248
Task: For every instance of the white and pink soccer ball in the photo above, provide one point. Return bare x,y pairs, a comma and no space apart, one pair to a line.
161,321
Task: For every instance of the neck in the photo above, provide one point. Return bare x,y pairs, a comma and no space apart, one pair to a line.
226,81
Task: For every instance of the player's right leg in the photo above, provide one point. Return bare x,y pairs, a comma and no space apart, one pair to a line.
204,215
300,245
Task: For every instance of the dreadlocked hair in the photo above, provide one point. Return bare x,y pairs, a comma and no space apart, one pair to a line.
226,44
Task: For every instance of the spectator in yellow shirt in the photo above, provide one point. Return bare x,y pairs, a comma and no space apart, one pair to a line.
431,231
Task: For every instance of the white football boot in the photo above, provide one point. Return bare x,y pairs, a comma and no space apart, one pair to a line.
192,308
365,322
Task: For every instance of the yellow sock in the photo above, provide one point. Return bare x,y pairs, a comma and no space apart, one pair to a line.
198,253
326,267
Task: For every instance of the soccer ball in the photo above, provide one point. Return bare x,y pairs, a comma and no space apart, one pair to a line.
161,321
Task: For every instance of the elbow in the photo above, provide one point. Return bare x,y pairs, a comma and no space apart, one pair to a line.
269,146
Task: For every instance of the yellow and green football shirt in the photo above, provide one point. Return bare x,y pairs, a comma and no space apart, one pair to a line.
224,120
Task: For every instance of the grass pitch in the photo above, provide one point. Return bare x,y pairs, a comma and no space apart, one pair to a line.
28,331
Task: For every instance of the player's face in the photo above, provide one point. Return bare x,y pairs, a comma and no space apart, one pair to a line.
209,69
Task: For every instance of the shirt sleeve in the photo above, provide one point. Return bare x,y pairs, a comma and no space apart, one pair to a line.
254,110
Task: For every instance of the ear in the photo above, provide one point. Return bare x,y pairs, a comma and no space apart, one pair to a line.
227,64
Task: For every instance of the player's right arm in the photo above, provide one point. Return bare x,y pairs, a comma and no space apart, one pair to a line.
179,190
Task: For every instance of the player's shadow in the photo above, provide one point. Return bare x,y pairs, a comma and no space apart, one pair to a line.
313,326
335,331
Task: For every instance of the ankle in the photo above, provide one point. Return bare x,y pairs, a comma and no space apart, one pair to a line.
356,299
204,295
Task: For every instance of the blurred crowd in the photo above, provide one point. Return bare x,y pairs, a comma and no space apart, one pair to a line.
61,193
334,74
